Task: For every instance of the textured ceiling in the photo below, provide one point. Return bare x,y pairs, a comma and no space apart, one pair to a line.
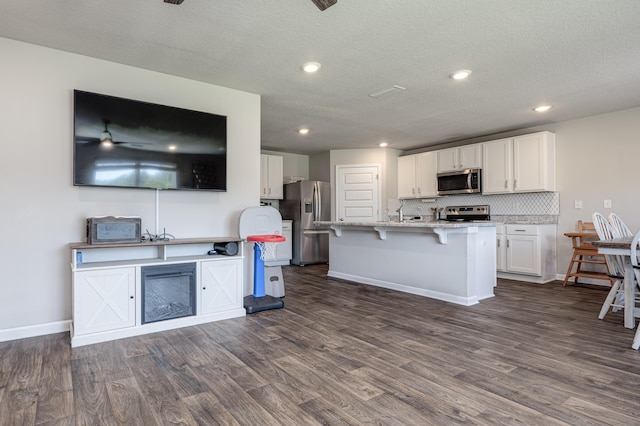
582,56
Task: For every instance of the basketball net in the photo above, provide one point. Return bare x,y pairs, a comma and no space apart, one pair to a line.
267,250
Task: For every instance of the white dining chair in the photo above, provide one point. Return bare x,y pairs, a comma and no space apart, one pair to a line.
618,224
615,297
636,273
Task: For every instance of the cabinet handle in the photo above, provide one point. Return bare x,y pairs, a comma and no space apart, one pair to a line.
515,183
419,192
506,184
204,288
498,243
507,243
520,230
130,297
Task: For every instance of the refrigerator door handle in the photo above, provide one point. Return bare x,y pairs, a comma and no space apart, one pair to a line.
315,231
316,202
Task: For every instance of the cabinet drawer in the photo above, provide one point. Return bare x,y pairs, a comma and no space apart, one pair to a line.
522,229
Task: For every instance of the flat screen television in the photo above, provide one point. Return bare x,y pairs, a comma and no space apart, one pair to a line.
132,144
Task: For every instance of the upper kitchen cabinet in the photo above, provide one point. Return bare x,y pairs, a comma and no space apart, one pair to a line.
460,158
534,162
271,177
417,175
521,164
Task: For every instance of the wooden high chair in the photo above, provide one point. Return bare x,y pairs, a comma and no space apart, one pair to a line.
585,252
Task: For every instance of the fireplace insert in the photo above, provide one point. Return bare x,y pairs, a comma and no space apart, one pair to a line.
168,291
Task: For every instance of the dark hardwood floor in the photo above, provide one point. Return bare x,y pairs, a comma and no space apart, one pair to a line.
341,353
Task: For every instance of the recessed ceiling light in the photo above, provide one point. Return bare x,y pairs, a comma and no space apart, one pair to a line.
311,67
542,108
172,147
460,75
383,144
303,131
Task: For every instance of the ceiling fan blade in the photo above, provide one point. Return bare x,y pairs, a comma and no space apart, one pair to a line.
87,139
322,4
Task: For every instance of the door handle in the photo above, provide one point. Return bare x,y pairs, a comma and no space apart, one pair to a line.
315,232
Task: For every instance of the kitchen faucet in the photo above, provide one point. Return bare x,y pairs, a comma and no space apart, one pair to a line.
400,215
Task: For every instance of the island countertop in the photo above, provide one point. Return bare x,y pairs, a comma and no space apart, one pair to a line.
441,228
414,224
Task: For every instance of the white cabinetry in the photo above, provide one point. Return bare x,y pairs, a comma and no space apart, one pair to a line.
219,289
520,164
501,248
104,299
460,158
417,175
271,175
523,250
498,163
107,293
527,250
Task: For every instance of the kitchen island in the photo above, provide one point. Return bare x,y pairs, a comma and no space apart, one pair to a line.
450,261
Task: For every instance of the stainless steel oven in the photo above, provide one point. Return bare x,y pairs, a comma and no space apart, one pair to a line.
467,181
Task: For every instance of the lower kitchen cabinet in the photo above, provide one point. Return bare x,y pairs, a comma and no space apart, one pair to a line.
523,254
501,248
527,252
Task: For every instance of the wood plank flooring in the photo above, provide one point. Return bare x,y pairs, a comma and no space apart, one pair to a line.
341,353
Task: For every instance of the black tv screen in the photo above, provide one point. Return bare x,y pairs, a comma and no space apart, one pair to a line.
131,144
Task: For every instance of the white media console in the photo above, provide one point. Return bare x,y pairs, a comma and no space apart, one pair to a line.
107,286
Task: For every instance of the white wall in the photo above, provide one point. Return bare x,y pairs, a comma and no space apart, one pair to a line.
320,166
597,159
42,212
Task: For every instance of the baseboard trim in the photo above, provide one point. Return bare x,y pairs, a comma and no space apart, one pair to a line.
34,330
602,283
459,300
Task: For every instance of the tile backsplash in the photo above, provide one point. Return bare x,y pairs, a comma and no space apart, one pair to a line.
533,203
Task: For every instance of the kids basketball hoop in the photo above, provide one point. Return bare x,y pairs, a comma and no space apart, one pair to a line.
261,226
267,245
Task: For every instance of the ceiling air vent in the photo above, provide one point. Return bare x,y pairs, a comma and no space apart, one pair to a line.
387,92
174,1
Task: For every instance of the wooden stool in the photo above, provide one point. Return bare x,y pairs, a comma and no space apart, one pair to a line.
585,252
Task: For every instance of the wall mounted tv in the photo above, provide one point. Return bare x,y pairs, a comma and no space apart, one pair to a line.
131,144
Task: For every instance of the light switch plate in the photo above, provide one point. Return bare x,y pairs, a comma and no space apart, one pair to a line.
577,204
607,204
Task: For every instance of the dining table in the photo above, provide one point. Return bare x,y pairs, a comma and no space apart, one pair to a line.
622,247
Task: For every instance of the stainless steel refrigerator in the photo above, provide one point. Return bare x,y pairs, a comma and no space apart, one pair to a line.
305,202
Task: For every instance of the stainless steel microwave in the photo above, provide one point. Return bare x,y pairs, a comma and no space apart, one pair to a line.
467,181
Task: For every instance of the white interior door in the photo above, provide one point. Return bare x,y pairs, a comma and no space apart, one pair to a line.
358,193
